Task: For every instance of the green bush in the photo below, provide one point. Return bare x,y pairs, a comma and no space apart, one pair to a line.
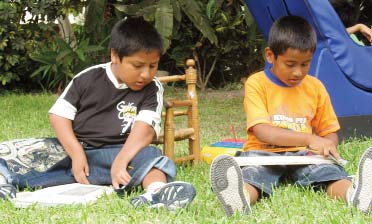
18,38
61,61
220,35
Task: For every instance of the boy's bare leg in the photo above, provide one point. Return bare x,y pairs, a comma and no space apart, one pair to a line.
253,193
358,194
338,189
361,196
154,175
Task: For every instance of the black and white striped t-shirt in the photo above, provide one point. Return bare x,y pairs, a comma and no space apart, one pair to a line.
103,111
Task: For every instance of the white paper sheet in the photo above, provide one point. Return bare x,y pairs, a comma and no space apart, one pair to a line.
287,160
62,195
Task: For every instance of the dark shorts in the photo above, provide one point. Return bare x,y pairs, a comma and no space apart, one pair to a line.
265,178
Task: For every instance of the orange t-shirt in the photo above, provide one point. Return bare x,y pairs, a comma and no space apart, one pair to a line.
304,108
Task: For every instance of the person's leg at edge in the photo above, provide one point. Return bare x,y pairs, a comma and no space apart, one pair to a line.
358,194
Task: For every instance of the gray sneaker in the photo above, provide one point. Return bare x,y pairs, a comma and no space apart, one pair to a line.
7,191
172,195
227,184
362,195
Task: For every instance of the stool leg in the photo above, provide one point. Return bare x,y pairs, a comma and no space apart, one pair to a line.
169,134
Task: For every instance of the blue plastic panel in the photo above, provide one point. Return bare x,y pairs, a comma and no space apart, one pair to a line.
344,67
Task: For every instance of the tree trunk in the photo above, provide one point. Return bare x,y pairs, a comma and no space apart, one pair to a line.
66,31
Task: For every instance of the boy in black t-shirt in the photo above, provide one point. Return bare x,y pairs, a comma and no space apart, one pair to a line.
105,121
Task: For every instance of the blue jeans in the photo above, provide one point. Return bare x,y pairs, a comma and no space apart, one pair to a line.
265,178
100,161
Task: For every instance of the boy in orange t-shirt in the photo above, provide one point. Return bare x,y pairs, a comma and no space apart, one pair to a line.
289,113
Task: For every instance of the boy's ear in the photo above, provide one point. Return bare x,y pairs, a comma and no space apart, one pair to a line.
114,57
269,54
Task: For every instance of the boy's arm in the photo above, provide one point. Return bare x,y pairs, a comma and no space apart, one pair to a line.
333,137
365,30
141,135
278,136
65,134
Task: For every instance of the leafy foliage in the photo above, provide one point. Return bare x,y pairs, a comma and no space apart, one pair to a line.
99,18
220,35
61,61
162,12
20,37
16,40
239,45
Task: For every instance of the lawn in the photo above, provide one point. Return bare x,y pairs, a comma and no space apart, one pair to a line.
25,115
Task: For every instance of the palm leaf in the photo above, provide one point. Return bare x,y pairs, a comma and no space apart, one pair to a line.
63,54
135,9
44,58
94,15
39,70
248,16
177,11
93,48
164,21
194,12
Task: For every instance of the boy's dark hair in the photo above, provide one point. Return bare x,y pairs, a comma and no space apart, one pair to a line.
346,11
291,32
132,35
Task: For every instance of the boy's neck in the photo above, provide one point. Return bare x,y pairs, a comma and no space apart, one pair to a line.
273,77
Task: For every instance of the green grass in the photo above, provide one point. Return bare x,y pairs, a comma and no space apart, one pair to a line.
25,115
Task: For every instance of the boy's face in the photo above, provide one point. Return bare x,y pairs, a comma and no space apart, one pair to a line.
290,67
136,70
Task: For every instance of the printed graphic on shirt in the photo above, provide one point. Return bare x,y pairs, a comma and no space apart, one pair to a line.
127,113
295,124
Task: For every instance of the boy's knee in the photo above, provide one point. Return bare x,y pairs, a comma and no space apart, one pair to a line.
152,151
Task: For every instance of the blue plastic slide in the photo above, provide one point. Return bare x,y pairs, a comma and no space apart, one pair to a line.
343,66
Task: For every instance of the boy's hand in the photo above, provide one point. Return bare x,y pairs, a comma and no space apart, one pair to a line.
140,136
323,146
366,31
80,168
119,174
360,27
65,134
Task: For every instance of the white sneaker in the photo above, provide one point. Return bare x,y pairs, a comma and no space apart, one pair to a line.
227,183
362,195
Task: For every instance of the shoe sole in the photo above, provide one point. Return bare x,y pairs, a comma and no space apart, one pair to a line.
174,195
227,184
362,196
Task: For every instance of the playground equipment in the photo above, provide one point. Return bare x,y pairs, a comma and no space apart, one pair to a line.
344,67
